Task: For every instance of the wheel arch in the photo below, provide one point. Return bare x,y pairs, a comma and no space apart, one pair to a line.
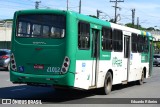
144,70
111,71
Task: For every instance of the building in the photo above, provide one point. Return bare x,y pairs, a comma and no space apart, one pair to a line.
156,35
5,34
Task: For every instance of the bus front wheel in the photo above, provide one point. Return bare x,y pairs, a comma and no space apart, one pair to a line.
108,83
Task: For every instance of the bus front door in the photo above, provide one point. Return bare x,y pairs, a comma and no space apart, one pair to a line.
95,55
126,57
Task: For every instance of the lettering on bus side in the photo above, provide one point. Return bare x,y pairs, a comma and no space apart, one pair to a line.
53,69
116,62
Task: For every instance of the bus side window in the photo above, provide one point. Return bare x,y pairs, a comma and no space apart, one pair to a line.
146,45
106,38
140,43
83,35
117,40
134,42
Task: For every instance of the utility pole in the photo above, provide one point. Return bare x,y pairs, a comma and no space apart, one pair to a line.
116,7
133,16
80,6
98,13
137,22
37,4
67,4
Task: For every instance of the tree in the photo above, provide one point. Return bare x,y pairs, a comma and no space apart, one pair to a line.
151,29
112,20
93,16
158,45
130,25
135,26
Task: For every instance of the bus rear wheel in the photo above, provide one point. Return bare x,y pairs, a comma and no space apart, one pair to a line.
108,83
140,82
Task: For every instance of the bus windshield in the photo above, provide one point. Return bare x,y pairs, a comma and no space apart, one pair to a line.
41,26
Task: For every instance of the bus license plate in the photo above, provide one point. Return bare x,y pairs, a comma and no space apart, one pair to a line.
38,66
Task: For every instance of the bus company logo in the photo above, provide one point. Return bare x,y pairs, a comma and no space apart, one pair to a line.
116,62
39,43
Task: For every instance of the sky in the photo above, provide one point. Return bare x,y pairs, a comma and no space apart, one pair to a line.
148,11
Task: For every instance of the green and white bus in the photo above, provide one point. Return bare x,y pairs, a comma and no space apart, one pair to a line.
67,49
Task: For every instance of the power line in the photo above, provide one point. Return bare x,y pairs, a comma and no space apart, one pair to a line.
133,15
98,13
137,22
116,7
67,4
37,4
80,6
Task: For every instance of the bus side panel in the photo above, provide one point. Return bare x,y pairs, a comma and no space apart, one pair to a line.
116,64
135,67
145,63
71,44
118,67
104,65
83,74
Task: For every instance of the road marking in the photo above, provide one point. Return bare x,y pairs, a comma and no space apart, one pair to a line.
20,89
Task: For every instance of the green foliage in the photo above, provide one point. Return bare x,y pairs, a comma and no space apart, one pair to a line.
112,20
130,25
151,28
93,16
8,20
158,45
135,26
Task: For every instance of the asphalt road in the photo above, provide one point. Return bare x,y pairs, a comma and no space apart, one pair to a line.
150,89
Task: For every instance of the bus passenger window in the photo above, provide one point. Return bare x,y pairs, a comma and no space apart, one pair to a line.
117,40
83,35
134,42
57,32
45,31
41,26
146,45
24,29
106,38
36,30
140,43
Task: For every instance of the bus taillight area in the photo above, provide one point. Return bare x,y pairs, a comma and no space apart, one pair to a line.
65,65
13,63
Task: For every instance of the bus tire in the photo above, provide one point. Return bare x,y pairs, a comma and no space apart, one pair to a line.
108,83
140,82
